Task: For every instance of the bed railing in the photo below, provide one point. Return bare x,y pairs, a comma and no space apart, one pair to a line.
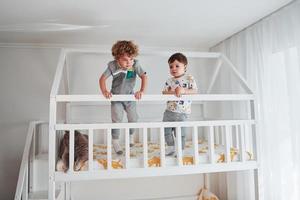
23,184
153,98
242,129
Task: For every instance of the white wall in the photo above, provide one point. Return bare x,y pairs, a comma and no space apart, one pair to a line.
85,70
25,80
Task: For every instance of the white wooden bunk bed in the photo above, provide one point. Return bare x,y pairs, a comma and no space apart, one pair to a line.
228,145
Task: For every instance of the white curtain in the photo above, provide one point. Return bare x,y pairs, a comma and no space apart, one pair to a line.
268,56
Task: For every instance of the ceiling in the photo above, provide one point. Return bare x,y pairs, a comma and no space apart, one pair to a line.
153,23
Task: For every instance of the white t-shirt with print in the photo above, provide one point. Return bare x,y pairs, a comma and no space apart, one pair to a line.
187,82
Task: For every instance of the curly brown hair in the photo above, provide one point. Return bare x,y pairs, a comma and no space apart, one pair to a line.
123,47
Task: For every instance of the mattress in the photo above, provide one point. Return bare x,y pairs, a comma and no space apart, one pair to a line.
136,155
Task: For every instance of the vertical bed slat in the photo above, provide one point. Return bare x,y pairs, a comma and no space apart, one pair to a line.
237,136
250,138
162,147
179,149
91,149
230,136
227,144
32,158
71,150
195,145
246,129
108,150
242,142
127,148
223,134
25,186
255,141
217,136
211,146
249,110
145,147
52,148
256,145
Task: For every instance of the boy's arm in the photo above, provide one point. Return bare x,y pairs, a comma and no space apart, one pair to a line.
193,90
144,79
190,91
102,84
180,91
168,92
138,94
167,88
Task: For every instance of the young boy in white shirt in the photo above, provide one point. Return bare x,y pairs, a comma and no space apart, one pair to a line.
179,84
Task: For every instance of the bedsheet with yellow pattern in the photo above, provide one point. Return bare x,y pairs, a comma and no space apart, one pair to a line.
136,155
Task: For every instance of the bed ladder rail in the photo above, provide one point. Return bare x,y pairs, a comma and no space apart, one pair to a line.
23,184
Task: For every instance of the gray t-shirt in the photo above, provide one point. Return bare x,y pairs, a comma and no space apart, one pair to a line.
123,80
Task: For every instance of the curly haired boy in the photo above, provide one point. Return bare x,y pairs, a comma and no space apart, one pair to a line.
124,70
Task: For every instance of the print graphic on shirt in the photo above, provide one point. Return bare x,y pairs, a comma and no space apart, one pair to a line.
130,73
187,82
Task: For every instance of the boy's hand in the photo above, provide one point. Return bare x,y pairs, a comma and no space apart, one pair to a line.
138,95
107,94
179,91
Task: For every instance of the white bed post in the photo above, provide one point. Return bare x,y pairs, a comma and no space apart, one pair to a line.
127,149
66,76
195,145
179,147
237,138
162,147
52,123
257,173
108,150
145,148
227,144
217,134
211,146
71,150
90,151
51,151
25,185
32,158
242,143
